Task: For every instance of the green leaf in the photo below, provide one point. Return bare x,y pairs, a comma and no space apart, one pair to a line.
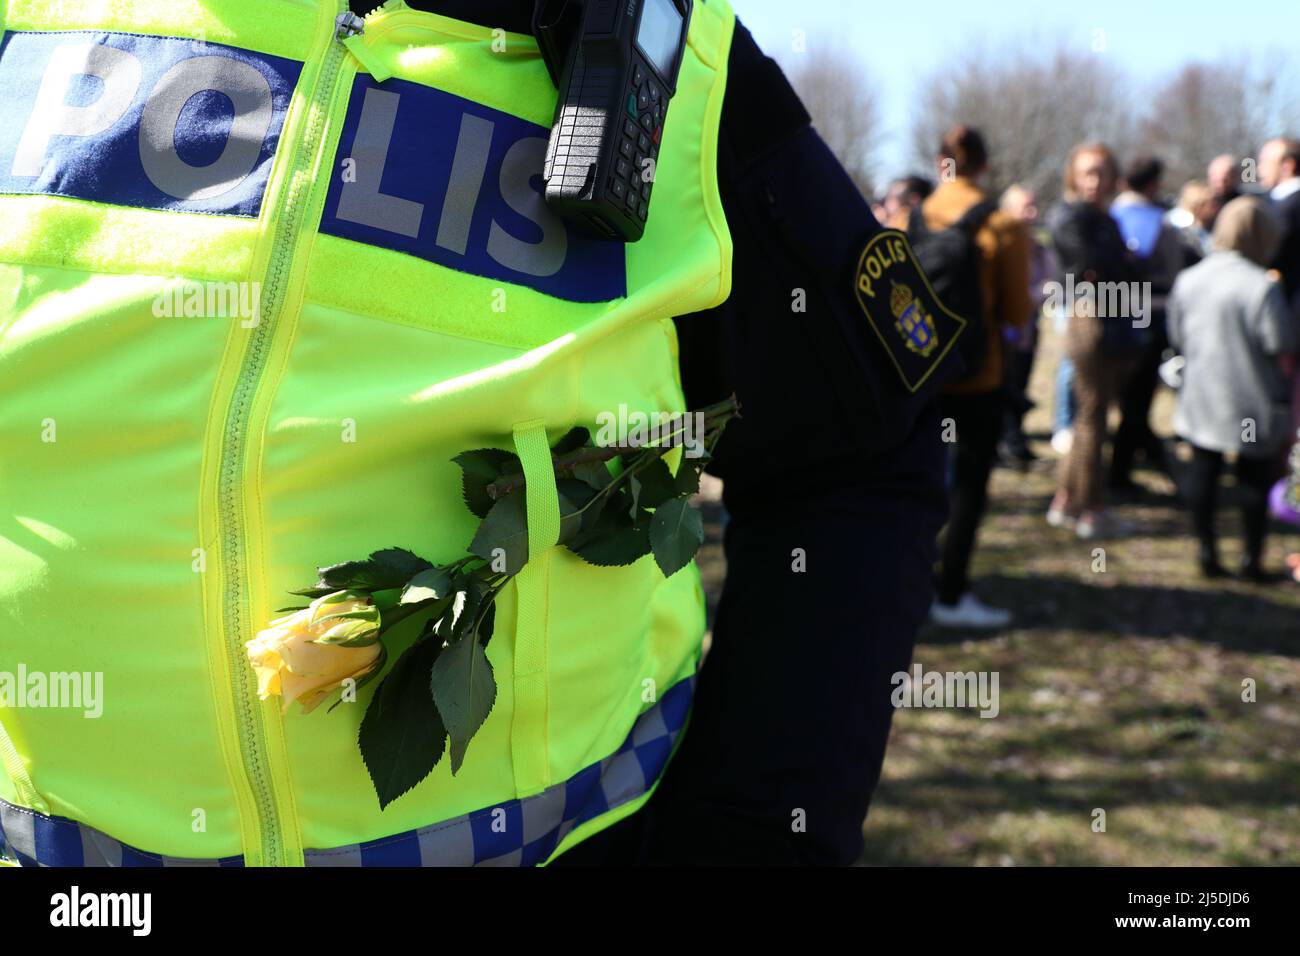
657,484
402,736
466,606
464,690
676,533
479,469
392,616
314,592
687,481
573,439
634,488
487,623
386,598
428,585
505,527
613,541
594,474
390,568
400,563
291,610
573,496
578,492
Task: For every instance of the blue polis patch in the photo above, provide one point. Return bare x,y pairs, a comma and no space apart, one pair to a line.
147,121
451,181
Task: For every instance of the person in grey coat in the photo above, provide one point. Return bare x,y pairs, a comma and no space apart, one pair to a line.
1228,318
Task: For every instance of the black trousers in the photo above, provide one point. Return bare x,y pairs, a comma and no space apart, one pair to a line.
792,713
978,419
1016,402
1254,478
1136,394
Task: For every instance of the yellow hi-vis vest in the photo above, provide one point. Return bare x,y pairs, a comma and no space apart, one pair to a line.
257,288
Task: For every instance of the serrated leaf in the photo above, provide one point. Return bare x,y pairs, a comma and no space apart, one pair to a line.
400,563
429,585
506,528
573,439
479,468
464,690
687,480
594,474
573,497
613,544
657,484
676,533
578,492
402,736
487,624
466,606
351,575
389,568
314,592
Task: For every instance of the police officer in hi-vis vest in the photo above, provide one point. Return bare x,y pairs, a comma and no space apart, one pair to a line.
267,269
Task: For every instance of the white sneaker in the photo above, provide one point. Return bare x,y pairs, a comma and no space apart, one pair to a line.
969,612
1058,518
1103,526
1062,440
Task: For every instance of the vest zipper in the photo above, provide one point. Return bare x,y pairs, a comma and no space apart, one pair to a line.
287,221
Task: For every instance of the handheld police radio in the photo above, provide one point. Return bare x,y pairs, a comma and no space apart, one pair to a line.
615,63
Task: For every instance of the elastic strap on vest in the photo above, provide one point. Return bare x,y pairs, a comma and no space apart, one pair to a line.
529,735
17,771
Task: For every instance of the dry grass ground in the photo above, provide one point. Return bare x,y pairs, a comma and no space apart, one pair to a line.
1120,690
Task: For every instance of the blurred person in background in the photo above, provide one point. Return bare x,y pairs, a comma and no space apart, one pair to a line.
1228,318
1157,254
1090,249
975,403
1279,173
1194,217
1020,202
902,196
1223,176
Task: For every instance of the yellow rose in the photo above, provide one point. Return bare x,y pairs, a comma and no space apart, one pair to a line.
301,657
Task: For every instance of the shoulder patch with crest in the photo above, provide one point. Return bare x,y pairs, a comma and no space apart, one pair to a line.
916,329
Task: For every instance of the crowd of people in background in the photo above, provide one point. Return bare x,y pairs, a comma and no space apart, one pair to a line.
1209,295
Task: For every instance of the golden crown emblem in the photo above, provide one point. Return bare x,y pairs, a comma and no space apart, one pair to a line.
900,297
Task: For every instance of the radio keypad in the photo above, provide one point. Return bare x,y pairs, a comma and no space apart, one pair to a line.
639,144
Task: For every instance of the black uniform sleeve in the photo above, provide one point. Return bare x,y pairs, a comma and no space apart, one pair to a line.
834,480
818,387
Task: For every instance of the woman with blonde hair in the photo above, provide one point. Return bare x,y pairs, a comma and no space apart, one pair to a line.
1228,318
1090,250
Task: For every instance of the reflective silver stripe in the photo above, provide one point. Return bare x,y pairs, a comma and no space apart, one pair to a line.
20,828
99,849
510,834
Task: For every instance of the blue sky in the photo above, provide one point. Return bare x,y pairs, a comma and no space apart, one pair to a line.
903,40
